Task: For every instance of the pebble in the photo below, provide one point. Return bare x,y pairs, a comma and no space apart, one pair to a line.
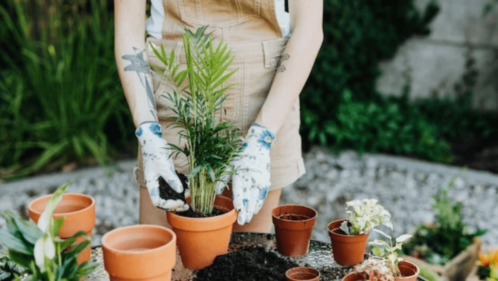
330,181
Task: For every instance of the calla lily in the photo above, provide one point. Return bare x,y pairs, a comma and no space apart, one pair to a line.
45,222
44,248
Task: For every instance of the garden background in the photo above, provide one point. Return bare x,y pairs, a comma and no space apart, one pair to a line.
61,103
408,78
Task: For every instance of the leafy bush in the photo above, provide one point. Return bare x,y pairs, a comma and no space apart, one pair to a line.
388,125
60,96
358,34
440,242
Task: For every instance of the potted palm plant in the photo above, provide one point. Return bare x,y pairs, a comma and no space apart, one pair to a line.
349,237
203,232
39,252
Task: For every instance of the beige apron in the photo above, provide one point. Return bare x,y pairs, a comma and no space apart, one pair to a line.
251,30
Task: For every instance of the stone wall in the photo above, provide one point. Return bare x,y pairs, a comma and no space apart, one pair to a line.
461,33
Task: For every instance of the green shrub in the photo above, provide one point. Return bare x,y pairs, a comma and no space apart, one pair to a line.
385,125
440,242
61,100
358,34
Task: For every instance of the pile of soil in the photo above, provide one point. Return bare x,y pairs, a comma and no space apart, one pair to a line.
166,192
252,264
191,214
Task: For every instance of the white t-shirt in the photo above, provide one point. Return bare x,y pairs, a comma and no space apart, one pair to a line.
154,24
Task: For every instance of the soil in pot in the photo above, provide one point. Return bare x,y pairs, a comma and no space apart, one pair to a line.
247,265
293,227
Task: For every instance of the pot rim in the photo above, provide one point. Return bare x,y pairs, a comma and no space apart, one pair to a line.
295,205
206,219
142,226
92,204
291,270
333,231
409,263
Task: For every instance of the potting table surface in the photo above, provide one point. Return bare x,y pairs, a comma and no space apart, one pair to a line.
319,257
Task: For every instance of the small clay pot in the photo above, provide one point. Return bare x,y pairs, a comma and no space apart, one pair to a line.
139,252
302,274
293,227
78,211
353,276
347,250
200,240
409,271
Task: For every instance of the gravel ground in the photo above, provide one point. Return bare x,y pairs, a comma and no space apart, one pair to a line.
403,186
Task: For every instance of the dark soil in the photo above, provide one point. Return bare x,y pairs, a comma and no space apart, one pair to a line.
253,264
293,217
191,214
166,192
334,273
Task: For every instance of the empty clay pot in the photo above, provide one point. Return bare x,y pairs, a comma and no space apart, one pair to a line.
200,240
293,227
347,249
409,270
353,276
139,252
78,211
302,274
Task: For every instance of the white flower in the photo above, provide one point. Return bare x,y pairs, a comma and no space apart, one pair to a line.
44,247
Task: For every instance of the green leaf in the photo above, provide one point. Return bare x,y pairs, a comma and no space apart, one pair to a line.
86,268
28,229
46,220
56,226
15,243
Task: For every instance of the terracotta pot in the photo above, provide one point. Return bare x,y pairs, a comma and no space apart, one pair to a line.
302,274
78,211
409,271
353,276
139,252
293,227
347,249
200,240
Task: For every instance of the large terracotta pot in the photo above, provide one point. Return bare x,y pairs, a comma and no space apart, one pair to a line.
139,252
347,249
302,274
409,271
78,211
293,227
200,240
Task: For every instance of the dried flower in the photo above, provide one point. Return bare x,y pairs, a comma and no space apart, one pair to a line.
374,269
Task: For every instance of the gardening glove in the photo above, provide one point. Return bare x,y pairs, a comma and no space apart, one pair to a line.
157,164
251,182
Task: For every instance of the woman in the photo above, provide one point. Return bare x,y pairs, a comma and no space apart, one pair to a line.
274,53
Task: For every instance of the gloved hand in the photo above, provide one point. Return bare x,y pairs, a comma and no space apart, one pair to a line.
251,182
156,164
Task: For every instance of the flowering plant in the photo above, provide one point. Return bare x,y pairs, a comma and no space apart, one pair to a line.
486,264
374,269
38,250
364,215
210,142
389,251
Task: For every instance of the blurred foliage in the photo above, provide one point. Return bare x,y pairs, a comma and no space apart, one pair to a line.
60,96
358,34
440,242
428,274
61,100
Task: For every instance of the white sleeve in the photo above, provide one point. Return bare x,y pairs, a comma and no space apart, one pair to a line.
154,24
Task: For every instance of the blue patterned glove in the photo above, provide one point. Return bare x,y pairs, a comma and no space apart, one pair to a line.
156,164
251,182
